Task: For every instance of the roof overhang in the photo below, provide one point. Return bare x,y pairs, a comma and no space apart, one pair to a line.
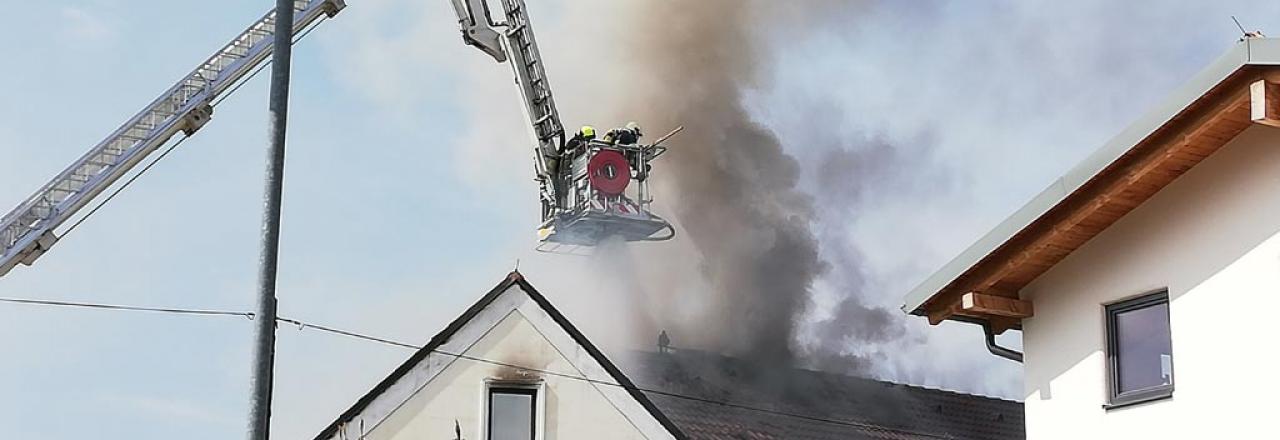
982,284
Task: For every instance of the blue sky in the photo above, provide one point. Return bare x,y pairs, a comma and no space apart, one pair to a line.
408,191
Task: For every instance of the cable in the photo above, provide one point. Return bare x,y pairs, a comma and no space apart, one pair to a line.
126,184
671,232
42,302
306,325
302,325
239,84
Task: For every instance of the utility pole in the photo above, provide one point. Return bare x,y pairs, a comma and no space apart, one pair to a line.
264,351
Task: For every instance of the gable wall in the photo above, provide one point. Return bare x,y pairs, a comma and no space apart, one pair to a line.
513,330
1211,238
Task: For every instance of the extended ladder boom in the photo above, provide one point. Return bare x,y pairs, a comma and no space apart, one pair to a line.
582,181
28,231
521,50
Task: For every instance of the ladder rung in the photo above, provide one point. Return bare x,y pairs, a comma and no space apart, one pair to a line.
62,190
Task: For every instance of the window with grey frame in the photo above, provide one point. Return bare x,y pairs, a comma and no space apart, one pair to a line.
513,413
1139,350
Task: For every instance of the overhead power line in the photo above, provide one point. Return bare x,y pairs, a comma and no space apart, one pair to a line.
42,302
303,325
866,426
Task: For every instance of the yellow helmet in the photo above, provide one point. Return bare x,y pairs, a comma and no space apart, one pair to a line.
588,132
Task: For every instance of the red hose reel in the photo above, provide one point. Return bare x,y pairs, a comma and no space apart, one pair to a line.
609,172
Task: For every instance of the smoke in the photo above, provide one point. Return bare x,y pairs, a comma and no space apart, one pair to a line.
743,280
772,262
849,176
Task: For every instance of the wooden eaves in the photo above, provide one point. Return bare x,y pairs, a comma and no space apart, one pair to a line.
983,284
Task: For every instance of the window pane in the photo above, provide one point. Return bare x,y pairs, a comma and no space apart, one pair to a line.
1145,352
510,415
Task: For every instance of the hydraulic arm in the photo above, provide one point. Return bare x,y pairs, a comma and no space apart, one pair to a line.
28,231
515,44
583,183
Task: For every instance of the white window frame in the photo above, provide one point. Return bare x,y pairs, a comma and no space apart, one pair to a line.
539,401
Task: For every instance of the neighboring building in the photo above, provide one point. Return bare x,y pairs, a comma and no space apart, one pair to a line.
512,367
1141,279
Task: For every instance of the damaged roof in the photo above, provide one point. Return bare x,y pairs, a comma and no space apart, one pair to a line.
1192,123
713,397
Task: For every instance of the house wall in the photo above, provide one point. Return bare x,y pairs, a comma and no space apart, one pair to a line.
573,409
1211,239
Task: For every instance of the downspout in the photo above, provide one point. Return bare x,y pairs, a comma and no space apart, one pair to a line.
997,350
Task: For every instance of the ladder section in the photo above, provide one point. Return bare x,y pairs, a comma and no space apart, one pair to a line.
28,231
532,79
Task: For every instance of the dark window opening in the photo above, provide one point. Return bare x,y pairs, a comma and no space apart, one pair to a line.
512,413
1139,350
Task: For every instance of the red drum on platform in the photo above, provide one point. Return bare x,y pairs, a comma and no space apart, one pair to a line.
609,172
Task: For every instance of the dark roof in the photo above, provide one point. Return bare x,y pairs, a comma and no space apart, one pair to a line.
715,397
514,279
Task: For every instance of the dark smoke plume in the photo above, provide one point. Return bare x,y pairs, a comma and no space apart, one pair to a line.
735,192
848,173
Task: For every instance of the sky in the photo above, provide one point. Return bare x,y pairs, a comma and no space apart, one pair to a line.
408,191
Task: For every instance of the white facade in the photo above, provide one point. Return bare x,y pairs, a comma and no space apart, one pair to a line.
512,330
1212,238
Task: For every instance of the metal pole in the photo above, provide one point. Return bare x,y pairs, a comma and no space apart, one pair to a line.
265,320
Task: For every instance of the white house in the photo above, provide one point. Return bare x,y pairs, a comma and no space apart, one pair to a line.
512,367
1142,278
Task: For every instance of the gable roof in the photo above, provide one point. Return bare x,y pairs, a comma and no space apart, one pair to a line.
513,280
720,398
1191,124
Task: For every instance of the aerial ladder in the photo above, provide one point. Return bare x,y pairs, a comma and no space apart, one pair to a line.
29,230
591,191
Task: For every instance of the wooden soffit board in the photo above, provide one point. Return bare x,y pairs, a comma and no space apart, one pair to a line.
1250,96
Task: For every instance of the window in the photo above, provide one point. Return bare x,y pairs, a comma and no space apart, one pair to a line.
512,413
1139,350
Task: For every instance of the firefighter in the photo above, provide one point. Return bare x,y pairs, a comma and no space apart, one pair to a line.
565,155
627,135
571,148
584,135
